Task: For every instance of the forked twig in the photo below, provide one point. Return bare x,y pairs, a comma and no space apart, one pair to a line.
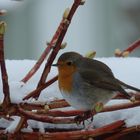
35,92
64,26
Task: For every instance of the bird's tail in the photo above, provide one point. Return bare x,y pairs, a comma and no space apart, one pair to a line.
128,86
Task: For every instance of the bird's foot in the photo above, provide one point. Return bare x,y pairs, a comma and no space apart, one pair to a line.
98,107
86,115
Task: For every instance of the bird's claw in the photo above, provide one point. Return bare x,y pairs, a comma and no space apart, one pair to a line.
81,118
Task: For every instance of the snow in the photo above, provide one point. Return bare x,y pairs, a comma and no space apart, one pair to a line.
12,126
125,69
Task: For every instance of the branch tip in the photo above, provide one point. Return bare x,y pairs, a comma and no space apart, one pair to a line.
3,12
117,52
90,54
63,45
46,108
2,27
83,2
125,53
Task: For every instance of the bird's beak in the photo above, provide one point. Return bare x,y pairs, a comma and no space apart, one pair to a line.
55,65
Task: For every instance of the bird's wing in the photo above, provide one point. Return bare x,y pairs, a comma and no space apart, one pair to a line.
102,80
90,64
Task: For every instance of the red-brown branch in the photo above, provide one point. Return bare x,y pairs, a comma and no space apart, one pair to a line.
133,46
6,101
60,103
35,92
113,127
130,49
66,113
124,132
121,106
59,113
45,118
52,105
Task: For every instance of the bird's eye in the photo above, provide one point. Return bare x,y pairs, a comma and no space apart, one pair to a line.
69,63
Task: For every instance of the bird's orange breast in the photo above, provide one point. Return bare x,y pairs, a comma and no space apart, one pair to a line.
65,78
65,84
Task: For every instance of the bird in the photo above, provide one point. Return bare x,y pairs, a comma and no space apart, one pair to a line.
85,82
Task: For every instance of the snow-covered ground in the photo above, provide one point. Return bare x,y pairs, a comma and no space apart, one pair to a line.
125,69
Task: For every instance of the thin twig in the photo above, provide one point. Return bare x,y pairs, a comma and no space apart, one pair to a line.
59,113
39,106
133,46
6,101
128,50
34,93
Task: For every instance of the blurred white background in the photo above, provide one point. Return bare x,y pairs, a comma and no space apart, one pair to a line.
100,25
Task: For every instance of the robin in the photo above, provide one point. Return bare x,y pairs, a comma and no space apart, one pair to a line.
86,82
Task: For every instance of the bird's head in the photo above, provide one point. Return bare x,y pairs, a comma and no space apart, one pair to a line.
67,63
